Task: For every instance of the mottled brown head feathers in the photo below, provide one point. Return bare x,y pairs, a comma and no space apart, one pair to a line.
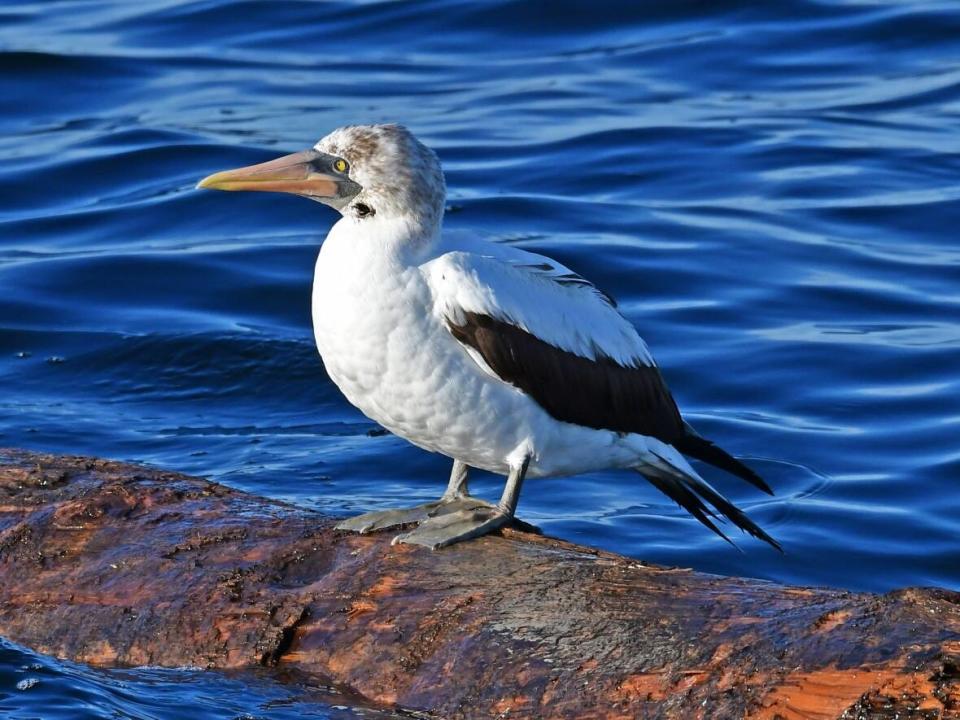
400,175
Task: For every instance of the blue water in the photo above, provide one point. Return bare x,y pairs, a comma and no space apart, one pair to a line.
771,190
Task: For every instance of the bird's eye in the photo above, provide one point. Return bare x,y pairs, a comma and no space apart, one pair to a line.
340,165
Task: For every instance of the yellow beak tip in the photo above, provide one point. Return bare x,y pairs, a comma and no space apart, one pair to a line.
208,183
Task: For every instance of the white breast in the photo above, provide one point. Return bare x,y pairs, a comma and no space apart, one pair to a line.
388,354
364,317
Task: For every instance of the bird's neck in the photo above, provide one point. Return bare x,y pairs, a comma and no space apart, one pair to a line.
405,238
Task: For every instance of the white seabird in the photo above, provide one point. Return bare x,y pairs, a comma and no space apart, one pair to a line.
498,358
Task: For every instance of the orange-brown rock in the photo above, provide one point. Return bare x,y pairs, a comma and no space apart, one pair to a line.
116,564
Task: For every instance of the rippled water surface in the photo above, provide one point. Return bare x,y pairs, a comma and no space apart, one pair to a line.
771,190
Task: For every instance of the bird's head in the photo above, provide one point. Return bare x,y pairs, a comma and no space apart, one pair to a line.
364,171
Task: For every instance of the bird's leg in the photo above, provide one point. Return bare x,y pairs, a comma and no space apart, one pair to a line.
463,524
458,485
455,498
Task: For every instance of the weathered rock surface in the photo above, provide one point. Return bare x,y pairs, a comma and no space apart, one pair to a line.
116,564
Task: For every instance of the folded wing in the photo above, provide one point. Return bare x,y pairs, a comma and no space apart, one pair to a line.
537,325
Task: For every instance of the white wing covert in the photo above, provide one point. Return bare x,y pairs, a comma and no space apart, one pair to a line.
538,295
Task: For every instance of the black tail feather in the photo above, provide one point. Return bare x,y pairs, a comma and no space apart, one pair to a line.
702,449
690,492
688,500
734,514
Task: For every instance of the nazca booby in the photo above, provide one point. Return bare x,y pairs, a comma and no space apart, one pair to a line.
498,358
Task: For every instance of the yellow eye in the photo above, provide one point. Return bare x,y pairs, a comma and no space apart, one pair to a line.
340,165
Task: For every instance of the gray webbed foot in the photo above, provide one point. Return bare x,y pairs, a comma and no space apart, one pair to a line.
453,527
454,517
389,519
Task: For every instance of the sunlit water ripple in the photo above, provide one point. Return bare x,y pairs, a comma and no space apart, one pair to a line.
770,190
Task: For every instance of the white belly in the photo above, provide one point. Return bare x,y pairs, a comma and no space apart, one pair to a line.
396,361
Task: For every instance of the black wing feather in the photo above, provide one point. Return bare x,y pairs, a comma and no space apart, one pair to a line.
600,393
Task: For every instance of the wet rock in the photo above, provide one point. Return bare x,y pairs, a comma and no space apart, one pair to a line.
116,564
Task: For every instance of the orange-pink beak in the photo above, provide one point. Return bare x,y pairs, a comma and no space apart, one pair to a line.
308,173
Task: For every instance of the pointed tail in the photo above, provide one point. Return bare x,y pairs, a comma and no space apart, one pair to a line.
680,482
693,445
